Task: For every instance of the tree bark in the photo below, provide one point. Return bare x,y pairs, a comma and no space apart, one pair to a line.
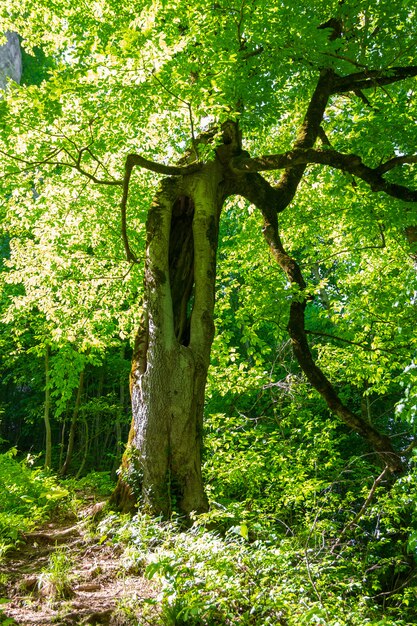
162,466
10,60
118,422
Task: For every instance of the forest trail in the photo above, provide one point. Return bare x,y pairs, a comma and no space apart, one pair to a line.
61,557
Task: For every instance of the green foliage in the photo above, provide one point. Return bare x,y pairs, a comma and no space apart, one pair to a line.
299,532
207,578
147,79
28,497
5,621
35,67
99,483
278,468
55,579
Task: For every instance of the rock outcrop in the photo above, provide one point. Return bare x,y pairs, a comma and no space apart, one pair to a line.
10,60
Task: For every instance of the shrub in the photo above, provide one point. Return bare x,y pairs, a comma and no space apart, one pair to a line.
28,496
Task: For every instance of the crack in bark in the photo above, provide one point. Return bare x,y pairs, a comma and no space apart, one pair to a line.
181,266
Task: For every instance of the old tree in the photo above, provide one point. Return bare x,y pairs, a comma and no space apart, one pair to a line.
168,112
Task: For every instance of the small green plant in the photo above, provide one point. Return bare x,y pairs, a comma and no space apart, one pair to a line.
5,546
126,612
55,580
5,621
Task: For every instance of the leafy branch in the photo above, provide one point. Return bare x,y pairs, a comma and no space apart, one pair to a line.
294,163
363,346
132,160
362,510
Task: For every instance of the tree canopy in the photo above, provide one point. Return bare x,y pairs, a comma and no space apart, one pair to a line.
323,95
158,151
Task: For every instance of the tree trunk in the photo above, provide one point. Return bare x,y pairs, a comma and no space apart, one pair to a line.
61,446
46,414
85,445
118,425
98,426
162,466
73,427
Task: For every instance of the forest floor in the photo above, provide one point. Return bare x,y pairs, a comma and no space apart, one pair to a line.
42,590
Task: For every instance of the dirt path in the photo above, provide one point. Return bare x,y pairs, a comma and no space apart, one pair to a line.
95,589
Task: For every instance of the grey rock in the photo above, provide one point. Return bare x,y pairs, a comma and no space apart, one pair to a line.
10,60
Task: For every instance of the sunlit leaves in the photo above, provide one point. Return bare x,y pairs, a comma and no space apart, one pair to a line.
148,75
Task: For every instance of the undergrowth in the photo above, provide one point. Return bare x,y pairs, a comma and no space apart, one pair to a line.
287,541
28,497
55,579
300,532
208,578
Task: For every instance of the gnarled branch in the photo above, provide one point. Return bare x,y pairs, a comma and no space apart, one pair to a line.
351,163
160,168
123,209
306,138
262,196
369,79
396,162
296,328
